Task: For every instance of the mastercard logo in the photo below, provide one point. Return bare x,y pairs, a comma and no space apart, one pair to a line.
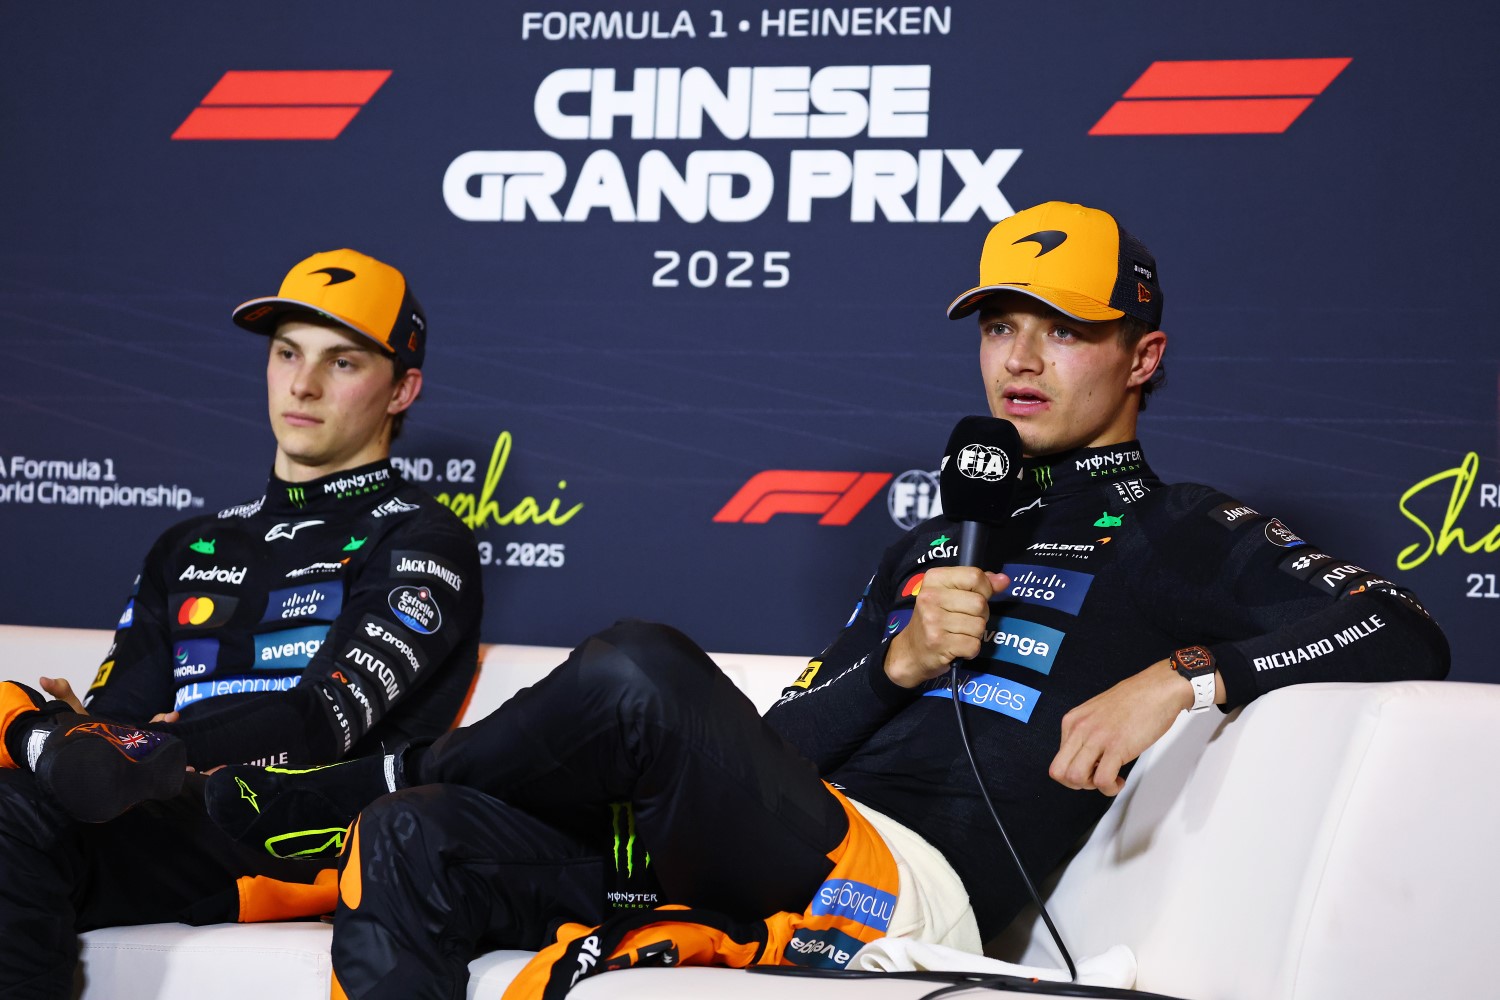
913,587
195,611
203,610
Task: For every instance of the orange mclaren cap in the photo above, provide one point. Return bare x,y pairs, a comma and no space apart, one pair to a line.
355,291
1078,260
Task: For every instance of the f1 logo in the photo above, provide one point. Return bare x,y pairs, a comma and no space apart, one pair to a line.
837,496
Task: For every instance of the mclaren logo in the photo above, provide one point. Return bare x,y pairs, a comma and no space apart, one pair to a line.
1048,239
336,275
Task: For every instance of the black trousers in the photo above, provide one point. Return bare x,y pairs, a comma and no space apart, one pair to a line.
161,861
508,831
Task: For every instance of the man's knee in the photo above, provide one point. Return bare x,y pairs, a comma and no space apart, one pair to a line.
28,815
634,657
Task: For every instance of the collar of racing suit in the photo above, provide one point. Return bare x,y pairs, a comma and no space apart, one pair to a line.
330,491
1069,472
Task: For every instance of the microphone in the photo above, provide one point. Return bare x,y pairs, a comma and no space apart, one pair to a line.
980,474
981,471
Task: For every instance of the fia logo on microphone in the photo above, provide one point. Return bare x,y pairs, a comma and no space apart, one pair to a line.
983,461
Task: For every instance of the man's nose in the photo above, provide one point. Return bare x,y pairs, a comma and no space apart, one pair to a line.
1025,354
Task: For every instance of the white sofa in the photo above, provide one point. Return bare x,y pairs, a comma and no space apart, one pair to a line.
1329,841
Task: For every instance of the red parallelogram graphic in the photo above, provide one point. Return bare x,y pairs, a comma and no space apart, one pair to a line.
282,104
838,496
1222,97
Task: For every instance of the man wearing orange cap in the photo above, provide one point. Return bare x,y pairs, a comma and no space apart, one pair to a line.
1103,606
336,614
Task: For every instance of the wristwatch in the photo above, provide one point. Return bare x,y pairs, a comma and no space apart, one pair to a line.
1197,665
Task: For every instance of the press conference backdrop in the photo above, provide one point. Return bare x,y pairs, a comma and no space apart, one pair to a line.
685,270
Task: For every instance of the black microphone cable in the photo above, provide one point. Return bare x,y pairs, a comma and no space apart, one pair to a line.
1036,897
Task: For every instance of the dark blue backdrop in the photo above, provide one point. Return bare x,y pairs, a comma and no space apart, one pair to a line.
1327,285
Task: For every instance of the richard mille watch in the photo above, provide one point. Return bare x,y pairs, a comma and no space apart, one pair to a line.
1197,665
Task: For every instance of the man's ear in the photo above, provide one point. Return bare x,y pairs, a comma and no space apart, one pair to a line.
405,391
1147,356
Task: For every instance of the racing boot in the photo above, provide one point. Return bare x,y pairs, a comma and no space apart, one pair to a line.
297,812
94,769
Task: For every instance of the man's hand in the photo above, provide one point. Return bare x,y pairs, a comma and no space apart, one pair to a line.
947,623
59,688
1114,728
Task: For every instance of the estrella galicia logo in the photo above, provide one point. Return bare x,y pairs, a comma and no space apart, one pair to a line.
127,617
314,601
416,609
1028,644
825,949
863,904
194,658
897,621
1279,534
1063,589
291,649
987,691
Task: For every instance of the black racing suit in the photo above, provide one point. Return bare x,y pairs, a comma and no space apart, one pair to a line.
333,617
1111,571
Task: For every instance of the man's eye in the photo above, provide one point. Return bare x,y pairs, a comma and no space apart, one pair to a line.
344,364
1063,333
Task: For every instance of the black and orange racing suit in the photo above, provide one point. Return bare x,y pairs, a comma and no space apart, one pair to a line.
333,617
499,836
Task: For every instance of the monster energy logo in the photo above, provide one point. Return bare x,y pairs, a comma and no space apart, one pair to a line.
616,811
297,495
1043,476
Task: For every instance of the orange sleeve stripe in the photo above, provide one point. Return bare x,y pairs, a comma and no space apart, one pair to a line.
351,887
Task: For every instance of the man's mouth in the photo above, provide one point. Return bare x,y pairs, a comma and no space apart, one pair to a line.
1018,400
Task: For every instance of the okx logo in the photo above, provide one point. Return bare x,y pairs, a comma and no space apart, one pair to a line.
837,496
1219,97
281,104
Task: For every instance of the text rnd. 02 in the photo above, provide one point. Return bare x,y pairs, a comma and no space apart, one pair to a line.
528,555
424,470
703,269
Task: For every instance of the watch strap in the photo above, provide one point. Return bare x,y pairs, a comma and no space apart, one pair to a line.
1197,665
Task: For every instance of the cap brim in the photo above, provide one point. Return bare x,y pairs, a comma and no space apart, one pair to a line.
268,312
1072,304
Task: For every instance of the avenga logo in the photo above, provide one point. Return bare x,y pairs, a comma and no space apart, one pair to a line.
837,496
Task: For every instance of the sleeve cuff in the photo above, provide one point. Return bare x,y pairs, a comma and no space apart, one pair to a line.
887,690
1238,676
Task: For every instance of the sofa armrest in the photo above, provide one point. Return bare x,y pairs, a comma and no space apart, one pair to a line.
1320,844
